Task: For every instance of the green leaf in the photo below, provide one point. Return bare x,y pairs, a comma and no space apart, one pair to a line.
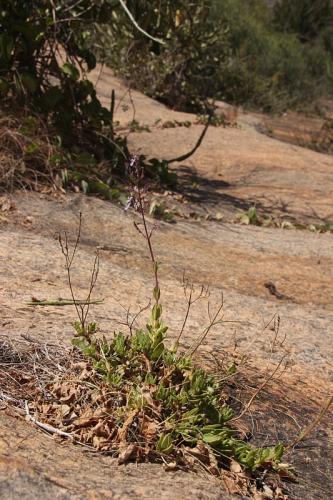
71,71
278,452
156,293
164,444
252,214
119,344
157,352
232,369
80,342
31,148
212,439
156,312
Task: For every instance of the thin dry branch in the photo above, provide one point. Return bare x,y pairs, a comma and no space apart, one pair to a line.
81,307
131,17
189,291
214,320
260,388
45,427
197,145
309,429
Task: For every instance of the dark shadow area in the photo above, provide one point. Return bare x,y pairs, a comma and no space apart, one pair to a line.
198,189
213,193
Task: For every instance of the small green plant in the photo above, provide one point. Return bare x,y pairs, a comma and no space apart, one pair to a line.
160,170
250,217
215,120
159,211
182,403
138,395
176,123
135,126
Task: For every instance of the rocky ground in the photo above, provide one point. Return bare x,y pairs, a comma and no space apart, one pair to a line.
235,168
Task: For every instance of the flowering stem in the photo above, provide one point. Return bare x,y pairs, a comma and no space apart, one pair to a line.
151,251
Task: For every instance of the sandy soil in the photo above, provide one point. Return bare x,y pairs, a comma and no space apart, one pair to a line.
234,168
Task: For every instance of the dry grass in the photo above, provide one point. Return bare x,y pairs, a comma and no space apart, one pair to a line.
27,156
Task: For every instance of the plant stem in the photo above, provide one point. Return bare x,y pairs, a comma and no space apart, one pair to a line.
148,238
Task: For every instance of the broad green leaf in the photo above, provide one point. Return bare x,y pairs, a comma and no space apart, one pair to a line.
212,438
164,444
156,312
71,71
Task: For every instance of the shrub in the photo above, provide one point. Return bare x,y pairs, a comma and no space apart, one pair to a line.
182,73
44,57
268,69
306,18
225,49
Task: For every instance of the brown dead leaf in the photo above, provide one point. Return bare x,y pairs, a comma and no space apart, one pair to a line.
122,433
148,398
45,409
100,443
65,410
148,428
200,452
259,495
127,453
237,482
235,467
69,394
280,495
231,484
171,466
104,428
268,492
286,471
81,423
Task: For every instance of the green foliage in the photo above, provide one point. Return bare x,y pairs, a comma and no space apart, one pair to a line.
135,126
159,211
250,217
44,56
182,72
183,402
159,170
237,50
269,69
44,60
308,19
